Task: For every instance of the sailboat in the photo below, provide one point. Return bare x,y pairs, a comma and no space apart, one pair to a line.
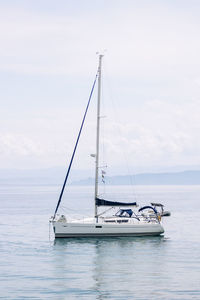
125,222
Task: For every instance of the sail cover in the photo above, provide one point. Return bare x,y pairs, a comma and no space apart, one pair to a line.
102,202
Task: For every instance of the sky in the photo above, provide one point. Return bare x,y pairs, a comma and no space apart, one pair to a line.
150,92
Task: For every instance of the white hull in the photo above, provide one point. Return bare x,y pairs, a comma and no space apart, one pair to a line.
67,230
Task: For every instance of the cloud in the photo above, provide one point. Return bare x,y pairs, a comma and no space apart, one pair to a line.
149,38
159,133
152,63
162,134
18,145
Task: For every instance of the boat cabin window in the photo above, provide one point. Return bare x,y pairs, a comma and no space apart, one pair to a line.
122,221
110,221
124,213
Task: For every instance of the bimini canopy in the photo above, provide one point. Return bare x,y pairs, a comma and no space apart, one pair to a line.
102,202
149,207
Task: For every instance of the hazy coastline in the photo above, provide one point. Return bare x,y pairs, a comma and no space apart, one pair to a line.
55,176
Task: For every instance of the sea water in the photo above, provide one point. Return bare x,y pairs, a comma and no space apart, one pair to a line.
35,266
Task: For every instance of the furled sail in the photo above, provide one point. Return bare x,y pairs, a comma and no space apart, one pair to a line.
102,202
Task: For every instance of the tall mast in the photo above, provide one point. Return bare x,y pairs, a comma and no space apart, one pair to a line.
97,137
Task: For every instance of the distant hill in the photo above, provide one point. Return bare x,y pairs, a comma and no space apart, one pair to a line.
178,178
55,176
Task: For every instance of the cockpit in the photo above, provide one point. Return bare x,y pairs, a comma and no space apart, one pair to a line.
127,213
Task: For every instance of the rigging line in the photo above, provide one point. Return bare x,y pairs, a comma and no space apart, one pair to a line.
103,158
71,209
66,177
117,118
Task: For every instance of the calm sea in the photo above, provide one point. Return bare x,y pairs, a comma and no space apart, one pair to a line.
34,266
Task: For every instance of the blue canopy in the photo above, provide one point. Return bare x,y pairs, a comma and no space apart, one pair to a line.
122,212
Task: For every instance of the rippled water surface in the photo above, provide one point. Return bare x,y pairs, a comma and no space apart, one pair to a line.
32,266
